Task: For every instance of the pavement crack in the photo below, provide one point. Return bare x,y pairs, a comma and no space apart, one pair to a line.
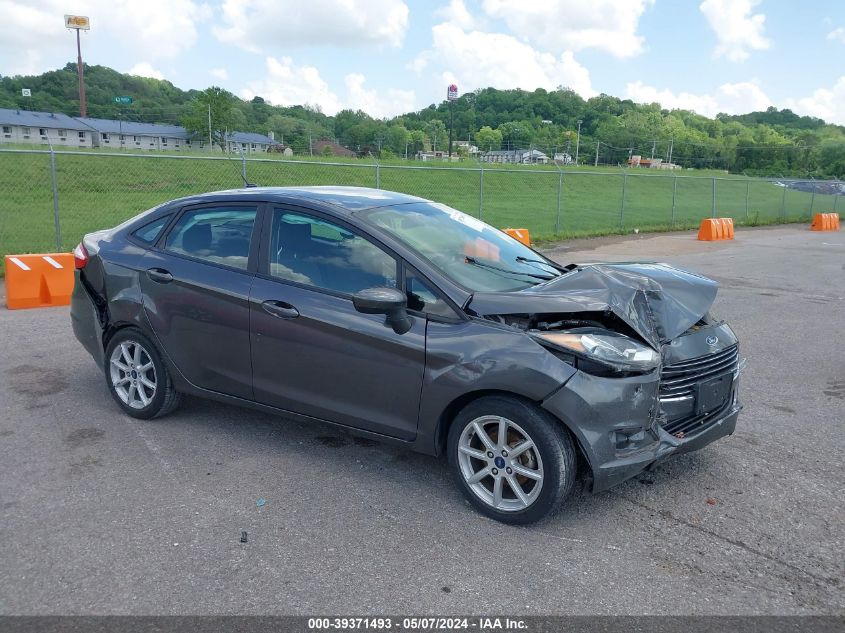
666,514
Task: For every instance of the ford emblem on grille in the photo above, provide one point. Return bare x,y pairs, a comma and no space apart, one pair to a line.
712,340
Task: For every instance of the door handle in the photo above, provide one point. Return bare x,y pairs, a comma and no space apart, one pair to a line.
159,275
280,309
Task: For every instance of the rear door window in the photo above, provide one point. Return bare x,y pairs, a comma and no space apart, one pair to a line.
149,232
221,235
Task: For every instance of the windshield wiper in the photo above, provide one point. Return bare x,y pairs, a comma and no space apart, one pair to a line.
550,264
472,260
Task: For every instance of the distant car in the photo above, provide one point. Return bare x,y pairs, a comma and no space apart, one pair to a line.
413,323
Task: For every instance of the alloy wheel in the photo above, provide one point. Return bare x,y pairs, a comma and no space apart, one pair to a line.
133,374
500,463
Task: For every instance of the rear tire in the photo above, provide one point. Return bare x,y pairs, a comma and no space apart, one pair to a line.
512,460
137,377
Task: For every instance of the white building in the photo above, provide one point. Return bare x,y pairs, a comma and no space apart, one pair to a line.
517,156
472,150
248,142
44,128
132,135
61,130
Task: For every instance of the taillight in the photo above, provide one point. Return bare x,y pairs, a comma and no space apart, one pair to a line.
80,256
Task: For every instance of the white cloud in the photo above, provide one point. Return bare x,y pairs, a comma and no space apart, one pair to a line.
737,98
476,59
825,103
27,31
375,103
34,33
288,84
837,34
259,25
419,63
456,13
737,30
220,73
564,25
145,69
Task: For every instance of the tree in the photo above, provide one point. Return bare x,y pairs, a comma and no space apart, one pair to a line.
516,134
436,132
397,138
327,150
220,104
416,139
488,139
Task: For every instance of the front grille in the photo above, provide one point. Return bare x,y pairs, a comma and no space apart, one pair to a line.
680,379
678,385
696,423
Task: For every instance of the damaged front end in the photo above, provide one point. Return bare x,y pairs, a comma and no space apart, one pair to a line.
656,374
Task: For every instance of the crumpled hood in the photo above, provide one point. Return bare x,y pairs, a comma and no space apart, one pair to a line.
658,301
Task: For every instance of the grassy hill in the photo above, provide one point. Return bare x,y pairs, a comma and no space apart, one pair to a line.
770,143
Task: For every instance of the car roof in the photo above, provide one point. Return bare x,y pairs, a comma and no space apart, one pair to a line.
346,198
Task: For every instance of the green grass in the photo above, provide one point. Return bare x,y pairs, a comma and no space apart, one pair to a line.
98,191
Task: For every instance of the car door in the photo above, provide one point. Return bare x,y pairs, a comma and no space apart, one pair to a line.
196,286
312,352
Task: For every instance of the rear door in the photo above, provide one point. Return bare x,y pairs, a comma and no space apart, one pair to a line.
196,286
312,352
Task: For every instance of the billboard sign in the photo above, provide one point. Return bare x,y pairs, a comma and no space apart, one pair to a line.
452,92
78,22
26,92
123,100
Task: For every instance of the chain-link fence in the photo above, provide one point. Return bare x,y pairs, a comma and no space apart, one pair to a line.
50,199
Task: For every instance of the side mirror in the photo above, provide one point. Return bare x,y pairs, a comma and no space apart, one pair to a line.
388,301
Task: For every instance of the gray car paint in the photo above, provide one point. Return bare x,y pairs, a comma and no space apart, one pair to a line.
334,363
464,357
658,301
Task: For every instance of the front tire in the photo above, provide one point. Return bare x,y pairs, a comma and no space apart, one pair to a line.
512,460
137,377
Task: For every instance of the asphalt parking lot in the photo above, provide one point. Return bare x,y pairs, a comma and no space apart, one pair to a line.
104,514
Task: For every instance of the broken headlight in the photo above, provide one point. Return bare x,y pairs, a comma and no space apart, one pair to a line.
608,348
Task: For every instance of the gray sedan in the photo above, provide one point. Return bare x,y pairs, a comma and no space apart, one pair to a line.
411,322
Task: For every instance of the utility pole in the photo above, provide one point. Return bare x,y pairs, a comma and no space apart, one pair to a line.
83,106
210,139
653,148
671,145
79,23
597,154
577,141
451,95
450,130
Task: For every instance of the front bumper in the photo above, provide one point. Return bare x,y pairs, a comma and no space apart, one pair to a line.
617,424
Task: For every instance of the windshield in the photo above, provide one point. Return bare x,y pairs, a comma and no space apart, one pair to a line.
470,252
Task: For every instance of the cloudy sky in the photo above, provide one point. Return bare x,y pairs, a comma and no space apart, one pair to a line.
392,56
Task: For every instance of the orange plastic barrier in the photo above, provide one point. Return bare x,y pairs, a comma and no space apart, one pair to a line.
38,281
482,248
825,222
519,234
714,229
